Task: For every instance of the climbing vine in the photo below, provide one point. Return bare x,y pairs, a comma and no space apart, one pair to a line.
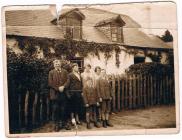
68,47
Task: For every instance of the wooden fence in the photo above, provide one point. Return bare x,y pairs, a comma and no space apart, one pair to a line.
132,91
129,91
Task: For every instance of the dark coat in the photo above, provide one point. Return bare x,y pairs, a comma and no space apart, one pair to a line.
90,95
55,80
75,85
103,89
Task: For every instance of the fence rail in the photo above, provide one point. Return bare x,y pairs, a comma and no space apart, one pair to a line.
130,91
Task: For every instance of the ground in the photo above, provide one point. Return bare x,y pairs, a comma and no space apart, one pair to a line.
153,117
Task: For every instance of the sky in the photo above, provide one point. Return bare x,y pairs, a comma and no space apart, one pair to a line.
154,17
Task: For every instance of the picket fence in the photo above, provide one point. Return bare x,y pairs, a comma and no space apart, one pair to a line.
130,91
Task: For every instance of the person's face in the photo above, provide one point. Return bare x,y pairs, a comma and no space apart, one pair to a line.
89,83
87,68
75,68
57,64
98,71
103,73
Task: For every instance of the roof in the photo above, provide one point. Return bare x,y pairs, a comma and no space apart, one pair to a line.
37,23
109,20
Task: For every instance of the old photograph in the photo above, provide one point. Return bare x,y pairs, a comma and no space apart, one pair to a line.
91,69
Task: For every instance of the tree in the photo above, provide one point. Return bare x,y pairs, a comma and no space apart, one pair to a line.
167,37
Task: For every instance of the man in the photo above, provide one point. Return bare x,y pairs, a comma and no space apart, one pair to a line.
58,82
74,94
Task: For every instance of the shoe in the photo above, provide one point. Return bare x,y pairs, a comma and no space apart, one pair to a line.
109,124
56,128
60,124
67,127
96,125
104,124
88,126
78,123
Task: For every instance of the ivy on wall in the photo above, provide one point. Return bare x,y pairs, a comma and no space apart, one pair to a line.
70,48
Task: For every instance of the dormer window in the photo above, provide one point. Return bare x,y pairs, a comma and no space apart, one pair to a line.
71,24
112,28
73,28
116,34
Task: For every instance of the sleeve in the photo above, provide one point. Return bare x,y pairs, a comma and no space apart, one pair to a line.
67,83
51,83
85,96
98,88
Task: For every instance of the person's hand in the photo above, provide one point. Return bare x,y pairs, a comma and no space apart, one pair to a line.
87,105
100,99
98,104
61,88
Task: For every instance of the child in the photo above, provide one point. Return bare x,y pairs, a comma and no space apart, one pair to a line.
91,101
104,93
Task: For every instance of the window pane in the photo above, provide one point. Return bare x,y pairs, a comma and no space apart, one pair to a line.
76,32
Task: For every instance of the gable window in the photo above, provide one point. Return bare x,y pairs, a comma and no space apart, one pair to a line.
71,24
116,34
73,28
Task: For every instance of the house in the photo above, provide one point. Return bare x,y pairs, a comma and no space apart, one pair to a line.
92,26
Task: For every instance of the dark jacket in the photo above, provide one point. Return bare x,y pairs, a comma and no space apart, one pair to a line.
90,95
75,85
55,80
103,89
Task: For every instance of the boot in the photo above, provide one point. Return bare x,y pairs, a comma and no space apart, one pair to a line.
88,126
104,124
68,126
108,123
56,128
96,124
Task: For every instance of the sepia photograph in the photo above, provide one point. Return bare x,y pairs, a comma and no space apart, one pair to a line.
91,69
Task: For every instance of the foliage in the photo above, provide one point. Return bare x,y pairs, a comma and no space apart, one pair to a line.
150,68
68,47
167,37
27,73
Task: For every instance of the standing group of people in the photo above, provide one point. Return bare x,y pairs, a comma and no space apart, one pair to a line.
70,93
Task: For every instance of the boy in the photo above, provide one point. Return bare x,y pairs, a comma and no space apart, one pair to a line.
104,93
91,102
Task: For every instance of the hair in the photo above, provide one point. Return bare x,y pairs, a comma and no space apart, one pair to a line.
55,60
74,64
88,65
96,68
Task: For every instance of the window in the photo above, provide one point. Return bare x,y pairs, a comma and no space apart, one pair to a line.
116,34
79,61
72,28
139,59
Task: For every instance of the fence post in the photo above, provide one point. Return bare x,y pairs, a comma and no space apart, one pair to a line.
144,90
26,107
34,108
130,91
19,111
114,93
123,94
119,97
134,91
151,90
